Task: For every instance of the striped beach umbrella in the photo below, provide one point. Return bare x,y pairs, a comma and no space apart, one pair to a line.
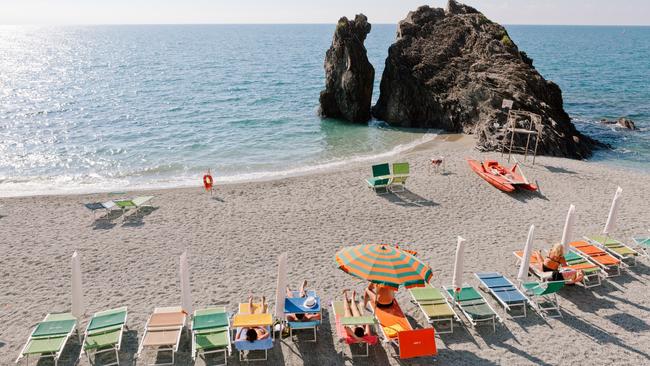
384,264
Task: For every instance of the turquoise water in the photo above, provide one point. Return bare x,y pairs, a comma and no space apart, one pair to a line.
85,109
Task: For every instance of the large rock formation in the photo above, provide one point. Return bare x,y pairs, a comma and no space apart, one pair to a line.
349,76
451,69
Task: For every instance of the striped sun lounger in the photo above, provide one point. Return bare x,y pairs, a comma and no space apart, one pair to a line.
504,291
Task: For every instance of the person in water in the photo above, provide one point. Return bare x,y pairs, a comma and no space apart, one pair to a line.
302,293
554,262
351,309
379,296
253,334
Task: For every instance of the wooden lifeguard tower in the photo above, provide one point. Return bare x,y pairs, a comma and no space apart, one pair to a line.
521,123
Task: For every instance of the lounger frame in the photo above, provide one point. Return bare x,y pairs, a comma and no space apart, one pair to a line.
372,327
508,307
202,353
116,348
472,321
616,255
545,310
432,322
55,356
167,348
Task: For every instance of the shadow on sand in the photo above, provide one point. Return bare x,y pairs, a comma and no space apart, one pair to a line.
556,169
406,198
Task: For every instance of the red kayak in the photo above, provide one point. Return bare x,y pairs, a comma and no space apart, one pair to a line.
501,177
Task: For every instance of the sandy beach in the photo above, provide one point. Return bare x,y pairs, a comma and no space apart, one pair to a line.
234,238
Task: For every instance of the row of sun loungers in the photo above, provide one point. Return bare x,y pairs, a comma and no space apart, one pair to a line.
124,205
385,180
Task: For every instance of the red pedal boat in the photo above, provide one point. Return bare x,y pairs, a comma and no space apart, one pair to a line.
501,177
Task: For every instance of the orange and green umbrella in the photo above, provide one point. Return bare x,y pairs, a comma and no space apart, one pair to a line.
384,264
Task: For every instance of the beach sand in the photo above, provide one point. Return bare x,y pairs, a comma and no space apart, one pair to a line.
234,238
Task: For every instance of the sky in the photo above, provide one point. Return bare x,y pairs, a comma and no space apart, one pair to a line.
579,12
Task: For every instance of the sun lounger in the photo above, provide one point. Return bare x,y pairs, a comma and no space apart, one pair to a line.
400,175
473,305
107,206
435,307
162,332
592,272
616,248
643,242
211,333
49,337
134,205
245,319
598,257
295,305
104,334
396,329
341,322
504,291
544,295
381,178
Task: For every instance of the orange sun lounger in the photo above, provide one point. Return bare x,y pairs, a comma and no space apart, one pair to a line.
597,256
396,329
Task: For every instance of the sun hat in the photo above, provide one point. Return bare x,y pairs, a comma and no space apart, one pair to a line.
310,302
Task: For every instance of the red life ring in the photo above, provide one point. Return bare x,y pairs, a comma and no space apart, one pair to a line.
207,182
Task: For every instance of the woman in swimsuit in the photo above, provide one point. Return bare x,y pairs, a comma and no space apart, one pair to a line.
351,309
254,333
554,262
379,295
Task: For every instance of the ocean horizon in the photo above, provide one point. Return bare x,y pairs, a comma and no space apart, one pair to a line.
112,107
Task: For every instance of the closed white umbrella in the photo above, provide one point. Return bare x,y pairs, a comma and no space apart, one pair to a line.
528,251
78,309
186,290
282,286
457,280
613,213
567,233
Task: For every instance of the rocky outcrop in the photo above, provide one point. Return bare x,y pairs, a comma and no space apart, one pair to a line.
349,76
621,122
451,69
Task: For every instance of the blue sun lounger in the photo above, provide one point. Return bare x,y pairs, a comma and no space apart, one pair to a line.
504,291
295,305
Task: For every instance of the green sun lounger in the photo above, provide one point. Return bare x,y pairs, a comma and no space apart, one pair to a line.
104,334
592,273
211,333
381,178
49,337
616,248
473,305
400,174
643,242
435,307
545,295
134,205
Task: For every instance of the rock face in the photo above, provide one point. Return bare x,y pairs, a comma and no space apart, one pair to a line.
621,122
349,76
451,69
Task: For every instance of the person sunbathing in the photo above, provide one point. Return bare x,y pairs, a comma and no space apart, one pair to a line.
351,309
302,293
554,262
379,295
253,334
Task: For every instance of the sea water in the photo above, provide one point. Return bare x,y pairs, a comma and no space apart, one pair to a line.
101,108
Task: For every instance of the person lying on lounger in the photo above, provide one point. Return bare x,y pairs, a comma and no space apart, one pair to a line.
351,309
379,295
253,334
554,262
302,293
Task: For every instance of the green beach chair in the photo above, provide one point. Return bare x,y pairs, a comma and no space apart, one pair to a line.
400,174
211,333
380,177
616,248
134,205
49,337
435,307
473,305
592,273
643,242
545,295
104,334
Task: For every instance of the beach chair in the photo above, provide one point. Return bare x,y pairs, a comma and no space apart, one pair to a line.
211,333
162,333
381,178
107,206
49,337
296,305
643,242
544,295
134,205
592,273
341,322
504,291
597,256
435,307
104,334
397,330
246,319
400,174
473,305
616,248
